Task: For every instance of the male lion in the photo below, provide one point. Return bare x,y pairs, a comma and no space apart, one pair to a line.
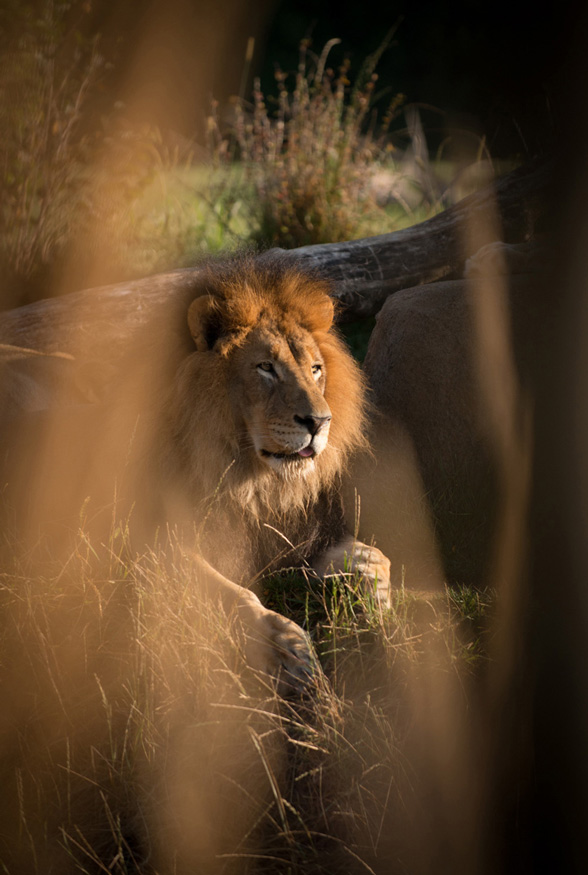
260,422
248,447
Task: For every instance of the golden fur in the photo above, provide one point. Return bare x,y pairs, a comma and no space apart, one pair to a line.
239,435
205,443
257,430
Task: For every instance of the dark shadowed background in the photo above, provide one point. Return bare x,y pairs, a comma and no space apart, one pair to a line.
493,68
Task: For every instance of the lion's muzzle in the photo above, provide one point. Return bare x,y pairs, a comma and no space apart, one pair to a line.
313,423
296,443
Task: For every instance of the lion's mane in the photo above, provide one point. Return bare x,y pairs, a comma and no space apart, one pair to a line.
200,446
166,447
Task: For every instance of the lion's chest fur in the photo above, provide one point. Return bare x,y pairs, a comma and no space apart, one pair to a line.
243,544
229,435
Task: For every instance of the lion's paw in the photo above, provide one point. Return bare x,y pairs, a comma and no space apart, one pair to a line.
374,569
355,557
277,646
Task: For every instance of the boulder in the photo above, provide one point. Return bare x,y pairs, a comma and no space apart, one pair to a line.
448,375
433,463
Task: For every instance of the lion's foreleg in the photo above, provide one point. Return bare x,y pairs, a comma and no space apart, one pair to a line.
275,644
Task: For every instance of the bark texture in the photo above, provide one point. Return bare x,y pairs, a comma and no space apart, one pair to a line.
98,323
367,271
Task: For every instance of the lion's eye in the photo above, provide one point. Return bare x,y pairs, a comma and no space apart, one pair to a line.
266,367
317,371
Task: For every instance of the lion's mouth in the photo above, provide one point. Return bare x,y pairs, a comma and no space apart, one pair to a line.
304,453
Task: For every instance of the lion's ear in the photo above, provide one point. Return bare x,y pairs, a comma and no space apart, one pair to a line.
204,322
322,314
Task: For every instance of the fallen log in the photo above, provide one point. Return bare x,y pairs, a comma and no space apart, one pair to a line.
367,271
100,321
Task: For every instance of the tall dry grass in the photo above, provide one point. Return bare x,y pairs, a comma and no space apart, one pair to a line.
135,739
310,153
94,193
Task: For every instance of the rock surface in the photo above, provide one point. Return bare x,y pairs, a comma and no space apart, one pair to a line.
437,458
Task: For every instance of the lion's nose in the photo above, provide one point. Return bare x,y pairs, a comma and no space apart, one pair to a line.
313,423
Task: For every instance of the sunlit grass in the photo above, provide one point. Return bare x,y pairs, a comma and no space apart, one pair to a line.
136,738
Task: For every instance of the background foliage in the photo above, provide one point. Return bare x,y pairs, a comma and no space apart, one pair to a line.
99,185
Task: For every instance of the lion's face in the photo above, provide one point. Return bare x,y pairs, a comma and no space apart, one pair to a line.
278,382
270,404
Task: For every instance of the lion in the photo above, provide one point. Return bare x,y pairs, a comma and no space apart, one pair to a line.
247,446
260,422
